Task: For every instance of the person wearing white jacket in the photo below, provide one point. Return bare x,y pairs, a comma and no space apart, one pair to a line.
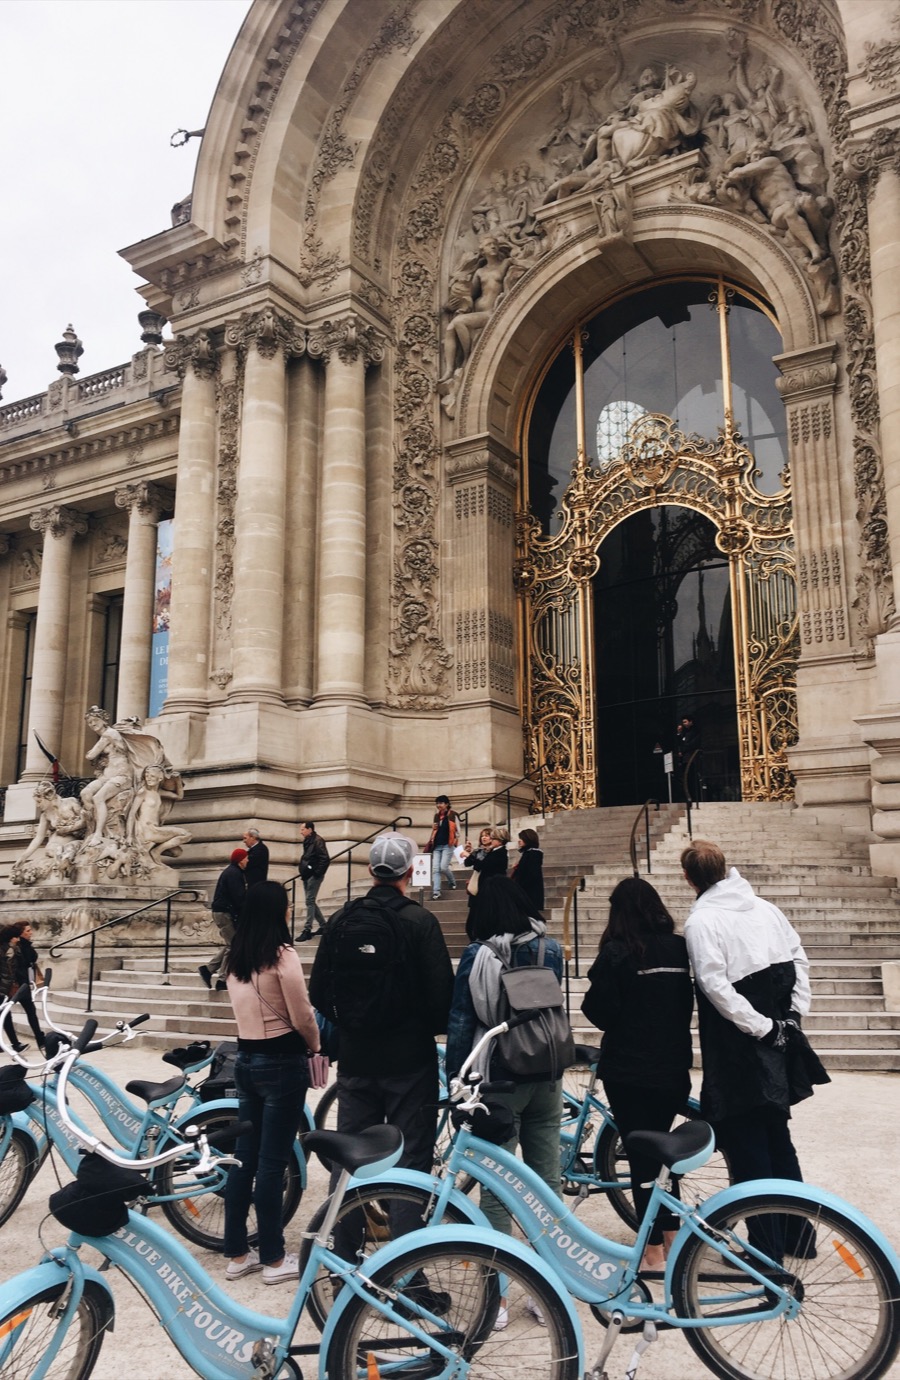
752,977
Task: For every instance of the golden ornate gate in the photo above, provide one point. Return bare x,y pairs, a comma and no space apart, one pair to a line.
658,464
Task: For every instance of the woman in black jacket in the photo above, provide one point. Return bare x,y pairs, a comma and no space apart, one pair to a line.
490,859
21,970
528,872
641,997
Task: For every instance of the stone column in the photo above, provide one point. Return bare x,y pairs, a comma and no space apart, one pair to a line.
51,635
884,248
144,503
259,519
196,360
347,347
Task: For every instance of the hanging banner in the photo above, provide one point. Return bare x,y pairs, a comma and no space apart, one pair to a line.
159,665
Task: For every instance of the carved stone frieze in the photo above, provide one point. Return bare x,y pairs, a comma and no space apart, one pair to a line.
349,338
58,521
881,66
110,545
196,352
27,569
144,496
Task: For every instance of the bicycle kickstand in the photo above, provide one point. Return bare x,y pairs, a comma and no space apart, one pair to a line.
649,1337
599,1371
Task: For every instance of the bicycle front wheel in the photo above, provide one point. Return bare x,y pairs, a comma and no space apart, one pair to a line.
494,1311
848,1324
16,1172
29,1329
200,1215
611,1168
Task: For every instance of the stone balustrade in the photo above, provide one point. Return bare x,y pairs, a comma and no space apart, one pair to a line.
66,400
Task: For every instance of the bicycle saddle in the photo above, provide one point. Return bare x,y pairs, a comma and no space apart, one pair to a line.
152,1092
586,1054
356,1152
685,1148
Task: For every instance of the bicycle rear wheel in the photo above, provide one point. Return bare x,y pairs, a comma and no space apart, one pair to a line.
365,1215
461,1285
29,1329
848,1325
16,1172
200,1216
611,1167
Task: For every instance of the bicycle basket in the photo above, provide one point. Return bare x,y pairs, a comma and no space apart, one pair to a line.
15,1094
94,1205
494,1122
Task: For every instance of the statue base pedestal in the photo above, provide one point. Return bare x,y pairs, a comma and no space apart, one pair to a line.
61,912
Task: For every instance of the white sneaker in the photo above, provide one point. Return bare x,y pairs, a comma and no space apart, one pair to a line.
502,1319
288,1269
236,1269
532,1307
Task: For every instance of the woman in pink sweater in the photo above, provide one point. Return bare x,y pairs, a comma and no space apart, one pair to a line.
276,1029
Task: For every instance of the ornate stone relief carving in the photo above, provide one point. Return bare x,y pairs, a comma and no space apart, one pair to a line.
229,411
58,521
881,67
27,569
269,331
350,338
110,546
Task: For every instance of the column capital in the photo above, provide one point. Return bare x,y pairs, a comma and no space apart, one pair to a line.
350,338
146,498
867,158
58,521
807,372
196,352
269,331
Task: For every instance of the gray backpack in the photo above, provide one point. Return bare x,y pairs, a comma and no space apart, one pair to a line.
540,1049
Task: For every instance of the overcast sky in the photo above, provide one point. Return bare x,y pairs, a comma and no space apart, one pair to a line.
90,92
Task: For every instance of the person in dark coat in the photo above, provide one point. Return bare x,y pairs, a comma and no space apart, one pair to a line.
640,995
257,858
528,872
490,859
314,863
227,904
21,970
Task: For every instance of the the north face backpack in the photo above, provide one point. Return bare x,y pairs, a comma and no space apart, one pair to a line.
367,973
541,1048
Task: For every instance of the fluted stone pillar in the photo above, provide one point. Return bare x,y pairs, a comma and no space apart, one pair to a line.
195,358
347,347
260,508
144,504
60,526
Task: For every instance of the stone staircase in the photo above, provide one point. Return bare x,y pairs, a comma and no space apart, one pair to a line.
817,873
819,876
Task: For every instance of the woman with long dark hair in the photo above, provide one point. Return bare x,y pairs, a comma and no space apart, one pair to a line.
19,961
640,995
276,1029
528,872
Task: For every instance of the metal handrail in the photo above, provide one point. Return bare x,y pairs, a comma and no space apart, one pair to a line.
507,791
570,933
119,920
632,842
292,881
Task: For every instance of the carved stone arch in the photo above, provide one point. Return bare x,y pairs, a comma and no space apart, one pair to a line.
573,280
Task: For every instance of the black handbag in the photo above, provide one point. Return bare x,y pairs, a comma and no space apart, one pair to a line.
804,1067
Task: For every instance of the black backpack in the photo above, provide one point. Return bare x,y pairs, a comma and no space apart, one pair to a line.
368,986
542,1048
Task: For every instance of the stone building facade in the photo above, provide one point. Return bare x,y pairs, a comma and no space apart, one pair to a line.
427,534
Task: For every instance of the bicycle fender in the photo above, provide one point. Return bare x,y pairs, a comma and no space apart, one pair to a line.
47,1275
20,1122
416,1179
453,1236
785,1188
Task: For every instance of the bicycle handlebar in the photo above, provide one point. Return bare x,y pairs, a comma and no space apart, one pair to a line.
471,1088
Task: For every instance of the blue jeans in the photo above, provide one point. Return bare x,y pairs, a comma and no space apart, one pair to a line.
441,857
271,1091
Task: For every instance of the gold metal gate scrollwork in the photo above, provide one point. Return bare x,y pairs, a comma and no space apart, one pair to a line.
658,464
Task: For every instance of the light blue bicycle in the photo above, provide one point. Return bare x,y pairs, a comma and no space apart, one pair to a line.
426,1306
194,1207
767,1280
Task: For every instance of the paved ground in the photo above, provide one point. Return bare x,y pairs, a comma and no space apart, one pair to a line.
847,1137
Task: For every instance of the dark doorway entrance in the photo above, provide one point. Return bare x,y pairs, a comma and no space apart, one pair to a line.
663,649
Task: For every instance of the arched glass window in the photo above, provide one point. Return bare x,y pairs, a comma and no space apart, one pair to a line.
676,348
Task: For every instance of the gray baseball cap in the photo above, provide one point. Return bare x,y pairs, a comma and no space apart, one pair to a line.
391,856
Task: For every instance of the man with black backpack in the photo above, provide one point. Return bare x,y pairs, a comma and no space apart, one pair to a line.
383,975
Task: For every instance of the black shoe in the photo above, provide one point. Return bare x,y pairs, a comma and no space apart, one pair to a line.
205,974
305,934
221,986
419,1291
19,1049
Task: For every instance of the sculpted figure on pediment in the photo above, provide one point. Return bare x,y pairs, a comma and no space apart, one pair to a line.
476,288
764,183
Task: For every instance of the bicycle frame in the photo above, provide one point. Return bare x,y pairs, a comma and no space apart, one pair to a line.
218,1336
